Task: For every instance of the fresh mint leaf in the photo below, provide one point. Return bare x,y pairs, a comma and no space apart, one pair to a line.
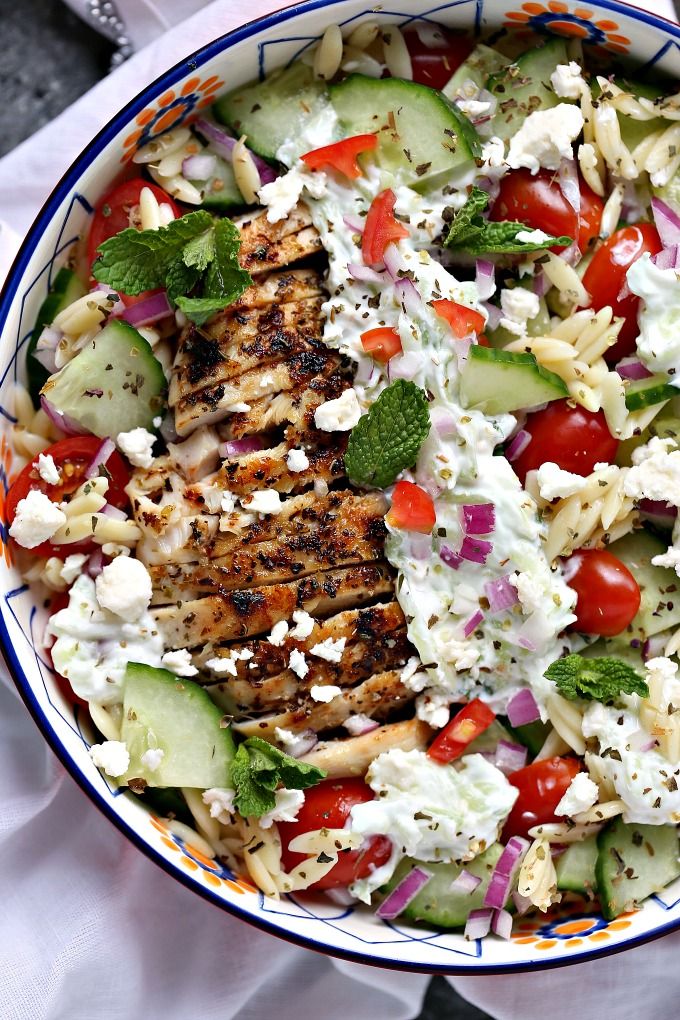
200,251
603,679
225,277
181,279
199,309
388,438
258,769
471,233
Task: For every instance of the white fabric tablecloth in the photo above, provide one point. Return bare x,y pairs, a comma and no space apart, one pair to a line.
92,930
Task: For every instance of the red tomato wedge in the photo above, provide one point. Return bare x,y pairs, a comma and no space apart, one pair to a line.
435,53
608,594
412,509
341,156
461,319
541,787
112,214
381,229
473,719
571,437
382,343
328,805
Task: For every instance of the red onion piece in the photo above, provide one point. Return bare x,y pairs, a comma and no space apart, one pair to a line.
501,924
462,349
238,447
517,445
408,296
478,924
430,35
465,882
223,144
473,623
509,757
478,518
167,429
485,278
657,512
199,167
449,557
667,258
419,546
95,563
541,284
407,890
151,309
354,223
476,550
358,724
113,512
503,875
68,425
494,314
364,274
491,185
46,356
667,223
653,646
100,458
501,594
340,896
445,423
405,366
392,261
522,903
567,177
572,255
522,708
306,741
631,368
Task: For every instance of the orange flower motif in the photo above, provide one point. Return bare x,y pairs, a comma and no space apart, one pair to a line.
174,107
566,926
211,870
559,18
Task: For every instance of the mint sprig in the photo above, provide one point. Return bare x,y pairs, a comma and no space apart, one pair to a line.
195,258
258,769
471,233
603,679
388,438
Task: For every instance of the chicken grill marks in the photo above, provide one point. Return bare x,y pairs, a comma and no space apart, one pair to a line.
223,577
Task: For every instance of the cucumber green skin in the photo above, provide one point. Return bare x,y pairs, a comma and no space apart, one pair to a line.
436,904
532,735
186,725
120,362
658,585
536,65
168,803
488,740
67,287
654,389
616,852
479,66
282,102
432,131
498,381
576,867
226,197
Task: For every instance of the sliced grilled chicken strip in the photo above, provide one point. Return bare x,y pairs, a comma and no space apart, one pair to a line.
295,407
240,613
376,697
278,288
268,469
267,246
351,757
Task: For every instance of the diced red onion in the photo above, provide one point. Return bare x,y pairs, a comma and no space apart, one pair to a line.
364,274
462,349
449,557
478,924
494,314
239,447
68,425
667,258
654,646
567,177
475,549
392,261
478,518
305,742
354,223
522,903
473,623
667,223
445,423
223,144
358,724
491,185
95,563
419,547
113,512
522,708
485,278
367,372
541,284
405,366
151,309
408,296
47,358
465,882
407,890
526,642
501,924
503,874
572,255
501,594
340,896
518,445
657,512
509,757
199,167
100,458
631,368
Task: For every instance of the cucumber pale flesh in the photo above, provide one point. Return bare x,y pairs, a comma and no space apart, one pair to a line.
633,862
499,381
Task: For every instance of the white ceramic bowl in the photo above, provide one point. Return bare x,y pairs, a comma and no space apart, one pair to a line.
570,933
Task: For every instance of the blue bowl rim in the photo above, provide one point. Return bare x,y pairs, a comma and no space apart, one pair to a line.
61,190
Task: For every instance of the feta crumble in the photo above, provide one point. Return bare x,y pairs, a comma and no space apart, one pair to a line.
281,195
297,460
298,663
137,445
227,502
567,81
554,483
580,795
36,520
533,237
304,625
655,473
178,661
124,588
339,415
278,634
152,758
519,305
263,501
220,800
112,756
545,138
71,567
331,650
48,470
359,723
286,809
324,693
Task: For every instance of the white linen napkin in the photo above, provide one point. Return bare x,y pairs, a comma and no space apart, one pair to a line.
92,930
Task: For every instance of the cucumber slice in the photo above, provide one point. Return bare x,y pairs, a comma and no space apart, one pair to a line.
271,111
532,735
66,289
618,647
655,389
634,861
670,193
659,604
177,716
524,87
499,381
113,385
220,192
538,326
489,739
479,66
421,135
436,904
168,803
576,867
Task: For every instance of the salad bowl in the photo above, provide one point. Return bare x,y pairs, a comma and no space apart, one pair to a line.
570,932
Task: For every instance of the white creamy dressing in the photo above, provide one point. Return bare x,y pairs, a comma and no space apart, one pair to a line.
658,344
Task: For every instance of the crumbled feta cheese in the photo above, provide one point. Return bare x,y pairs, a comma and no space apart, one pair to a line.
178,661
227,663
220,800
298,663
359,723
324,692
124,588
286,809
48,470
157,422
37,518
567,81
278,634
297,460
519,305
339,415
304,625
554,483
331,650
410,669
152,758
293,743
670,559
112,756
72,567
493,153
658,343
655,473
266,380
545,138
473,107
532,237
227,502
281,195
137,445
434,709
263,501
580,795
530,592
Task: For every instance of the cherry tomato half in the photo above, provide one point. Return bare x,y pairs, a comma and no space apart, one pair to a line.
113,212
461,319
608,594
382,343
72,457
435,53
451,742
541,787
381,228
328,806
571,437
341,156
412,509
606,275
